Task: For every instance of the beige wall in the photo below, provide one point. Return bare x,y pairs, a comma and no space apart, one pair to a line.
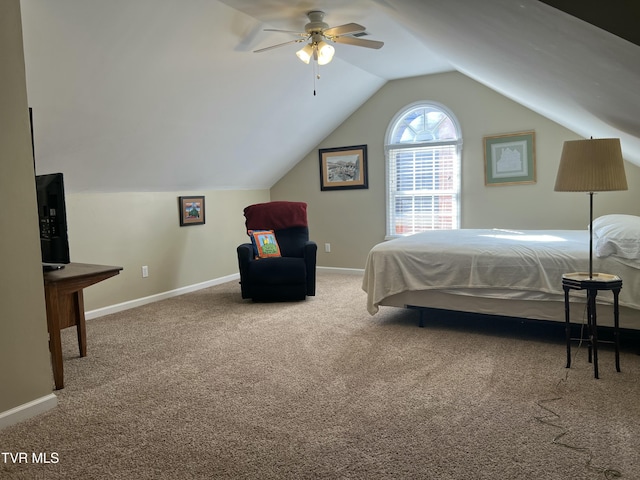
126,229
25,367
135,229
352,221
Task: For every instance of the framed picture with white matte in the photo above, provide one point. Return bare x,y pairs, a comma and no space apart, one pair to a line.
510,159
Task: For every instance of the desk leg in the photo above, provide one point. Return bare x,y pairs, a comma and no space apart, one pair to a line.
567,327
593,328
616,327
52,301
78,307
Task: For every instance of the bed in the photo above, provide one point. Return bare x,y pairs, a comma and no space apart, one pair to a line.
516,273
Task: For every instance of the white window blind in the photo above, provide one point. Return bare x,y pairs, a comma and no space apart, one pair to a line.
423,178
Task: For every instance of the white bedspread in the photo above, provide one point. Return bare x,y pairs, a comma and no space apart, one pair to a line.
482,261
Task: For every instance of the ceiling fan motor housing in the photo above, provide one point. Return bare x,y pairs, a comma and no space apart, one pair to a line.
315,25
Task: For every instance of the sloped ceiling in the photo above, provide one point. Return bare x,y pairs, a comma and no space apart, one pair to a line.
160,96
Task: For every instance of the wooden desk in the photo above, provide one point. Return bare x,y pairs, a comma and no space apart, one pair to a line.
65,306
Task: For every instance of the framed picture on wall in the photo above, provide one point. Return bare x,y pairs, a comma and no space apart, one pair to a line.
510,159
191,210
343,168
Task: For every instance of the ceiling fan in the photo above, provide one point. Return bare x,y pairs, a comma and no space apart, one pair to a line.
317,33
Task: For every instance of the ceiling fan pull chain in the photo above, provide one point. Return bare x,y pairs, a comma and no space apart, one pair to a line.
315,75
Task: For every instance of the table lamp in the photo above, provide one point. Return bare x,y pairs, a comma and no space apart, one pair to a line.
594,165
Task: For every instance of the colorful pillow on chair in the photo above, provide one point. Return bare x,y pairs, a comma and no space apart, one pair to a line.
264,243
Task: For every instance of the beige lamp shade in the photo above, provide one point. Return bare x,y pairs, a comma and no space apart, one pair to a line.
594,165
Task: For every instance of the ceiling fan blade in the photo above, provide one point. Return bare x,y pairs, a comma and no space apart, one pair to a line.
343,29
278,45
358,42
285,31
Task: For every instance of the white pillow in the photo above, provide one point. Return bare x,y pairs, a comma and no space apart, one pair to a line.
617,235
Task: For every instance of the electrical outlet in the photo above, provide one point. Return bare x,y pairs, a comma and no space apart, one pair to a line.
145,271
327,247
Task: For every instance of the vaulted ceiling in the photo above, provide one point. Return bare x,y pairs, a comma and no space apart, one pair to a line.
141,95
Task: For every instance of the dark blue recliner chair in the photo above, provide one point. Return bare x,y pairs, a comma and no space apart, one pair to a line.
292,276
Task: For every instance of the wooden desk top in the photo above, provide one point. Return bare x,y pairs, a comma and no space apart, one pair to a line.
74,271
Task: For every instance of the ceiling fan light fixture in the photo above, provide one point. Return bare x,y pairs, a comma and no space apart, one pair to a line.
305,53
325,52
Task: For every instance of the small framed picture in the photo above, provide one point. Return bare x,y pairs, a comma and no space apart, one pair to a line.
510,159
343,168
191,210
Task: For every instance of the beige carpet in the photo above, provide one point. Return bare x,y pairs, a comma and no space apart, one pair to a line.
207,386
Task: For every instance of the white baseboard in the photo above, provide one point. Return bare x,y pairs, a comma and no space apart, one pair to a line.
99,312
353,271
27,410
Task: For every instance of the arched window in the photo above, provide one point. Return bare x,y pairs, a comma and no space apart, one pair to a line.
423,148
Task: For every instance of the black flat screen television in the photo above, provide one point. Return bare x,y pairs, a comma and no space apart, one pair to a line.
52,214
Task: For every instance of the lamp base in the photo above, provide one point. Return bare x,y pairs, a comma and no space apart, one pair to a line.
592,284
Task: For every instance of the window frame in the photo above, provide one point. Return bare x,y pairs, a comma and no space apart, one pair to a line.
389,147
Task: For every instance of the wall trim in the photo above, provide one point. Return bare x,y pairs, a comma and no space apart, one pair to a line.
119,307
28,410
352,271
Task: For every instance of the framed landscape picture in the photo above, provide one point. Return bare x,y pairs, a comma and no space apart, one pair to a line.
343,168
191,210
510,159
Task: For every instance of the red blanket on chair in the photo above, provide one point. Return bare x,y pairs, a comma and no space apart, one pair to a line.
276,215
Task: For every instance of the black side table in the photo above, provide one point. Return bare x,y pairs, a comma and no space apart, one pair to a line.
598,281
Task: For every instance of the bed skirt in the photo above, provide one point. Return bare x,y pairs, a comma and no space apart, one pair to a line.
519,308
